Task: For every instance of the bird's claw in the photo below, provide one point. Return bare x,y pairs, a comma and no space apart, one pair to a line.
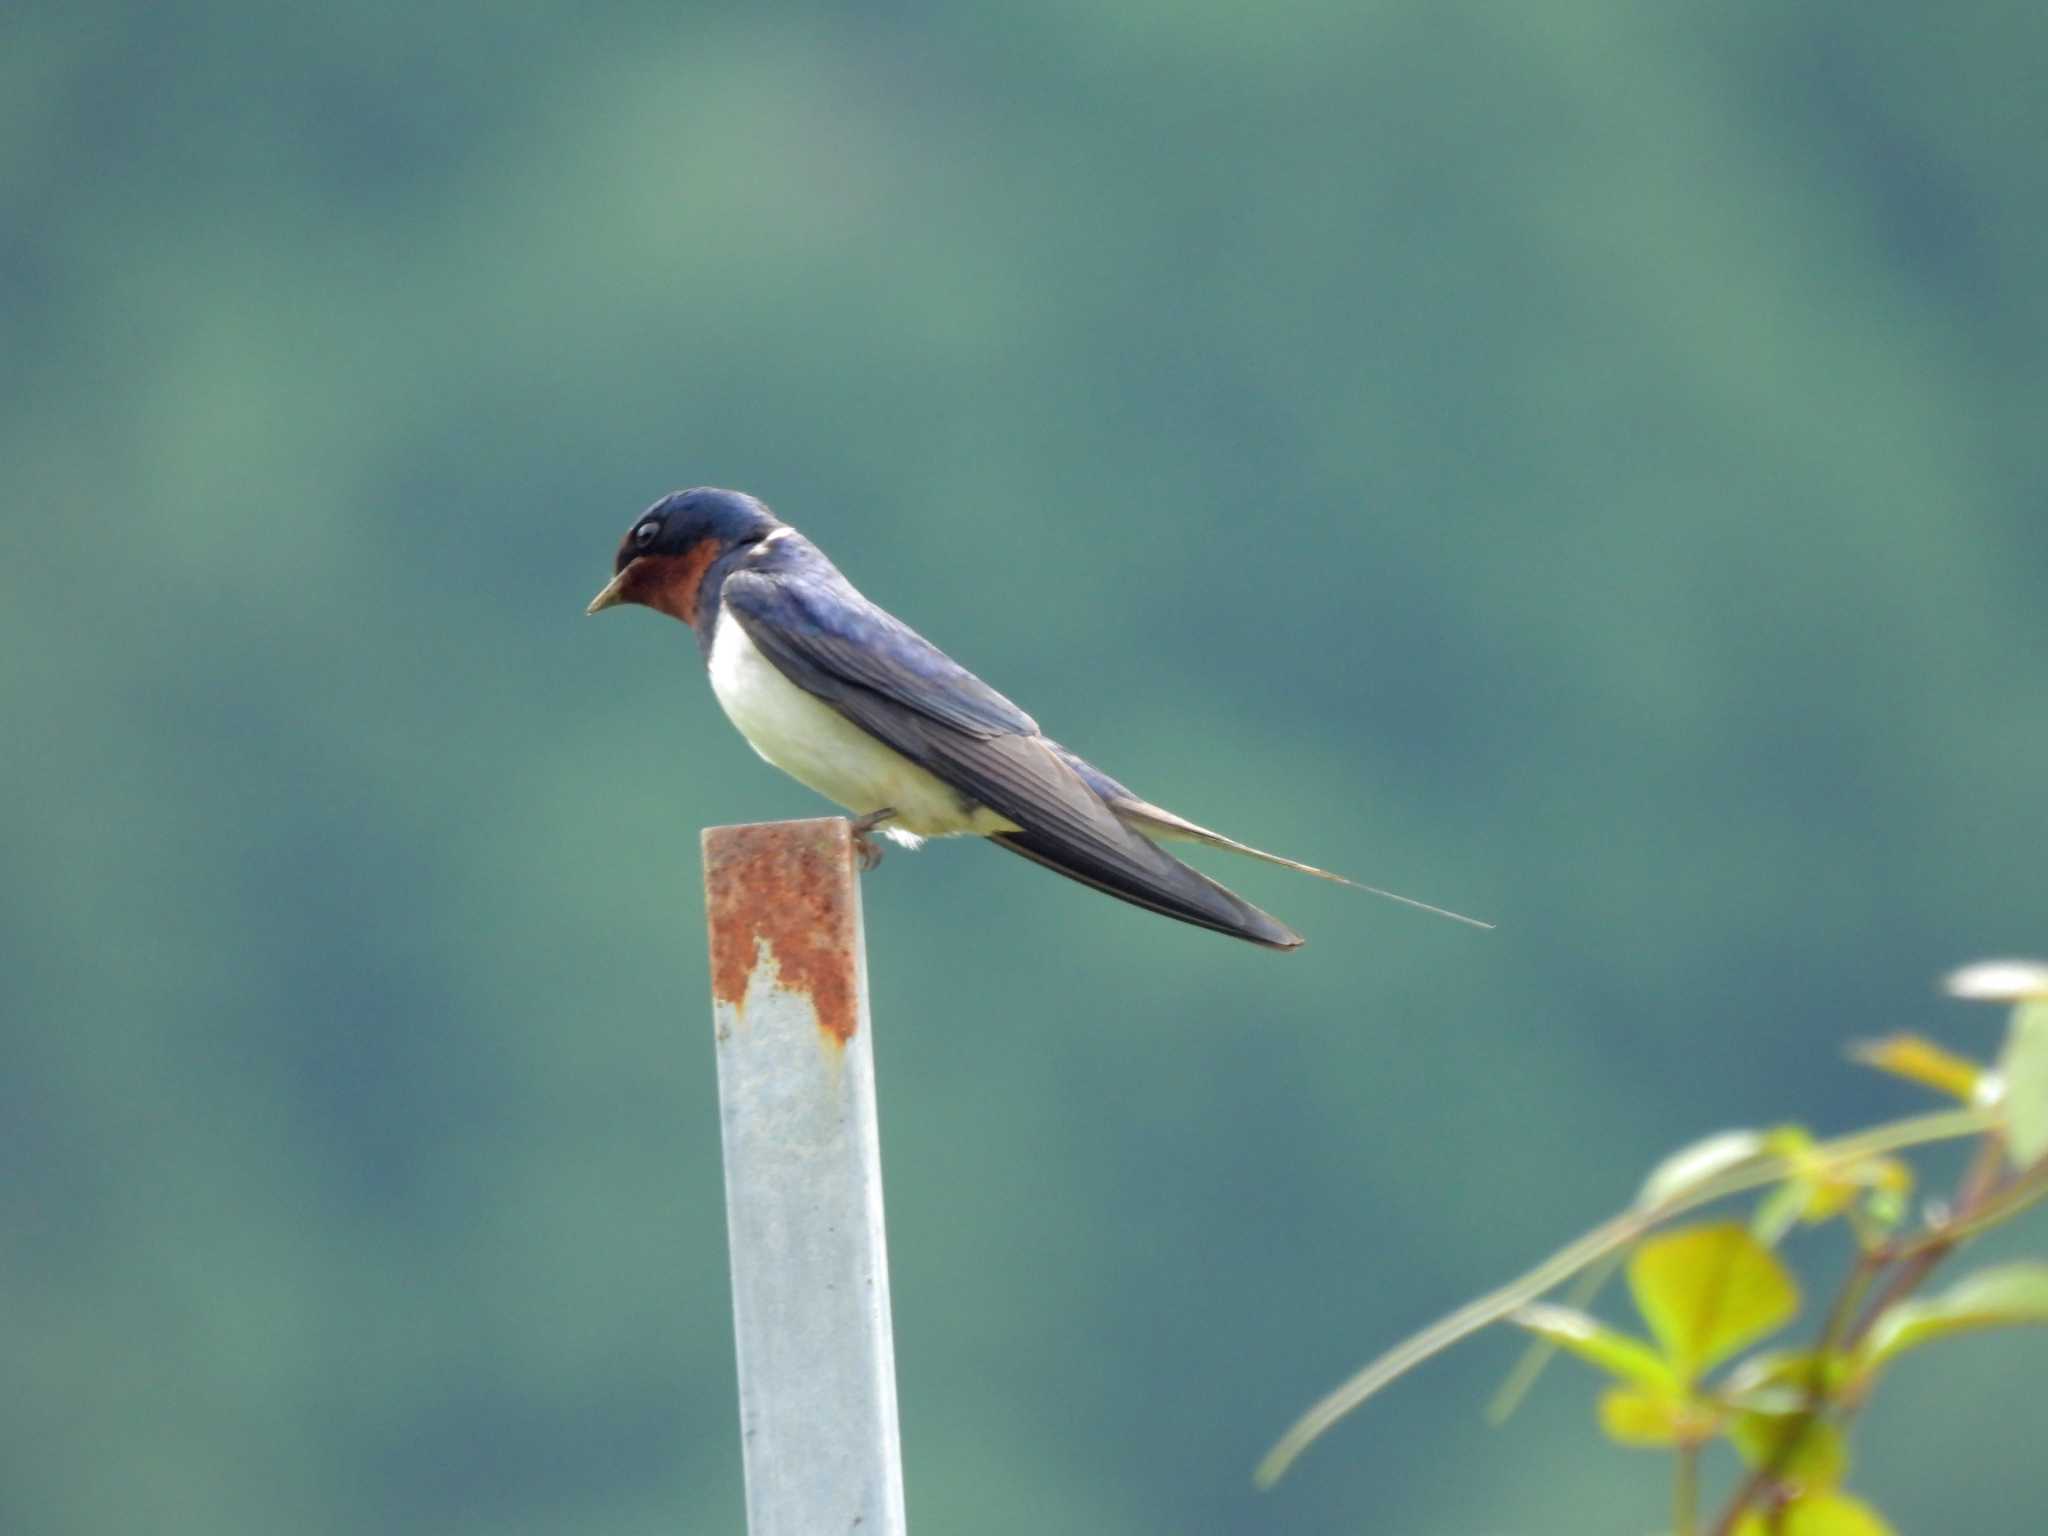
868,848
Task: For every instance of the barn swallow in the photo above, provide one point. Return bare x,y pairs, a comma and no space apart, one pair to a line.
852,702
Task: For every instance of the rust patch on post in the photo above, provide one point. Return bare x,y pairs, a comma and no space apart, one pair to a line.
788,885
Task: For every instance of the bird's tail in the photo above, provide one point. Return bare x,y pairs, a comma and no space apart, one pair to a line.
1149,877
1157,821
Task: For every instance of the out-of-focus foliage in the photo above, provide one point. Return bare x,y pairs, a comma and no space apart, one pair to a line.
1993,1298
1580,463
2023,1070
1708,1291
1827,1514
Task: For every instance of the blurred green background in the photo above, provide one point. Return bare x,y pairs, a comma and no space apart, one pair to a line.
1581,463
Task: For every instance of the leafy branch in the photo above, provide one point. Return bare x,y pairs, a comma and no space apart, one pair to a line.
1706,1292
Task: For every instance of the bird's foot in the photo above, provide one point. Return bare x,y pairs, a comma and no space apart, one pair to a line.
870,851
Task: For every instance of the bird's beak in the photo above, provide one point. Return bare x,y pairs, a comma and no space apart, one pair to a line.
614,592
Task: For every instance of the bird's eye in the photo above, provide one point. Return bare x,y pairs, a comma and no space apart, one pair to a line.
646,534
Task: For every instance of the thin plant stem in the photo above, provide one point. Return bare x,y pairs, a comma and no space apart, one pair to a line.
1836,1327
1538,1354
1685,1490
1844,1329
1941,1240
1617,1232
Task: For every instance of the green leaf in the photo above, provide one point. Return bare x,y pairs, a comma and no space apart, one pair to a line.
1919,1060
1707,1291
1648,1417
1691,1166
1817,1514
1884,1210
1778,1213
1818,1454
1610,1237
1781,1381
2007,1295
1592,1341
1584,1287
1820,1187
2024,1069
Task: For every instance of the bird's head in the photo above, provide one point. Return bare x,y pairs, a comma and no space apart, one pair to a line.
664,555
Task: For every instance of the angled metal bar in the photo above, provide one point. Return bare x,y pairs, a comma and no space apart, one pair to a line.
803,1180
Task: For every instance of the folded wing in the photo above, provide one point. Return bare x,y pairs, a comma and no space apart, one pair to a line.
894,684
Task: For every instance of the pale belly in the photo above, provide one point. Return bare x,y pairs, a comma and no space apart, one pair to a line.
818,747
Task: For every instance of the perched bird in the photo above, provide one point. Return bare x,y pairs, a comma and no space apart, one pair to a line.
854,703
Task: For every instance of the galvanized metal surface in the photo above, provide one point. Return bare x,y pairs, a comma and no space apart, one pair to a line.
803,1181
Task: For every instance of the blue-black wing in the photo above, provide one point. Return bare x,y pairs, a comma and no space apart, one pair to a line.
833,643
818,629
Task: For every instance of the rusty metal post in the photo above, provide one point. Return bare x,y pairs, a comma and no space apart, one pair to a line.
803,1180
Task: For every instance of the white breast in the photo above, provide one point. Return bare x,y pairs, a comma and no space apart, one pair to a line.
817,746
